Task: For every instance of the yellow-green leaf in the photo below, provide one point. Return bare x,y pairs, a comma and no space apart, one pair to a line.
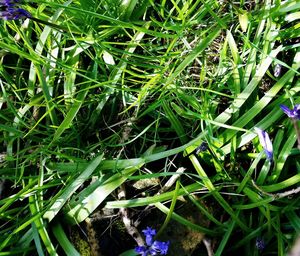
243,19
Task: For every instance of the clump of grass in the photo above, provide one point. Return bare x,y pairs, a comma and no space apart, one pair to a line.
113,92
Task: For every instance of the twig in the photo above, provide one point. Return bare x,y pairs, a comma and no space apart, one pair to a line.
278,195
131,229
295,251
171,181
207,243
92,238
165,188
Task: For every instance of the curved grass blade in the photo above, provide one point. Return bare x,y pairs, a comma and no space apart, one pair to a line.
185,222
152,199
91,197
40,225
71,188
63,240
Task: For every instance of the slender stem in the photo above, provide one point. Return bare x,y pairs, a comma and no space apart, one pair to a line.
52,25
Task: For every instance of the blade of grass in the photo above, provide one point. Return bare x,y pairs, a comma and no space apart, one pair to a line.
63,240
40,225
71,188
209,185
90,198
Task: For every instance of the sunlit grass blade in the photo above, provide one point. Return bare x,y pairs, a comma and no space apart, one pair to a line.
71,188
91,197
40,226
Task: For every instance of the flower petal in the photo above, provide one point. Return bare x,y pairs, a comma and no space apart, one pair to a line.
265,141
141,250
286,110
292,113
296,111
161,247
149,234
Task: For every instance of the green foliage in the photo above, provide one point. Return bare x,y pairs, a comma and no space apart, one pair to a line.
97,94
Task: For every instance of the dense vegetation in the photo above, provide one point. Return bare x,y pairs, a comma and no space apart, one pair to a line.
122,115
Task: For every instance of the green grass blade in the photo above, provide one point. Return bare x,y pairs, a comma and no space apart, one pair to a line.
71,188
63,240
90,198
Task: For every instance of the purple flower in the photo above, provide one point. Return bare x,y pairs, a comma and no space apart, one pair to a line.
7,3
141,250
292,113
260,244
162,247
10,10
265,141
153,247
202,147
149,233
14,14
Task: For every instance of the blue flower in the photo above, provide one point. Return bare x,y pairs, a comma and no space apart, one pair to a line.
14,14
260,244
162,247
149,233
202,147
10,10
265,141
152,247
6,2
292,113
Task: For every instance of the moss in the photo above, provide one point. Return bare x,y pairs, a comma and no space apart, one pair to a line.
80,244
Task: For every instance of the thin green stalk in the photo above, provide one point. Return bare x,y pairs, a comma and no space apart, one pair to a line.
209,185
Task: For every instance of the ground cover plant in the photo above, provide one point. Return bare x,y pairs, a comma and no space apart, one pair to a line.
149,127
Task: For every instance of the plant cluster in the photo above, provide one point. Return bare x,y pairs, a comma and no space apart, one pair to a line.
167,114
